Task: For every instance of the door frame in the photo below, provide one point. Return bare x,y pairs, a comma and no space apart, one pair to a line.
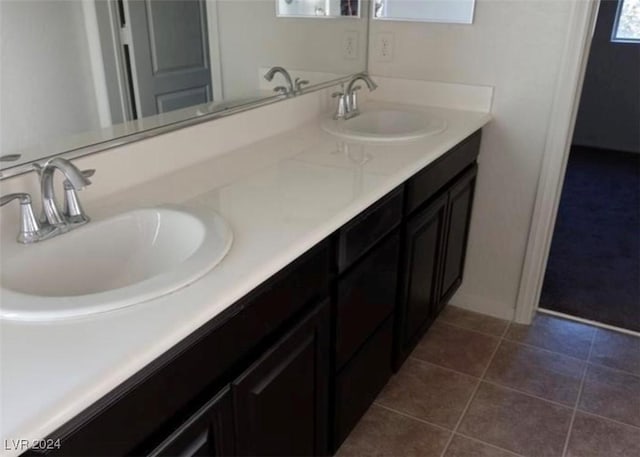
568,90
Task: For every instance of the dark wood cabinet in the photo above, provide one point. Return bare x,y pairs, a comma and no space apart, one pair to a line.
422,255
281,401
434,253
458,220
208,433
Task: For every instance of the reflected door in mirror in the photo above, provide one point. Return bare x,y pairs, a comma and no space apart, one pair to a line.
168,58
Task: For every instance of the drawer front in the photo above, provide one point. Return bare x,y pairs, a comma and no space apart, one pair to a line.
432,179
366,297
363,232
208,432
361,380
122,422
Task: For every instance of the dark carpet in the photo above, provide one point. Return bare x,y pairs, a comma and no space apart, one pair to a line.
594,265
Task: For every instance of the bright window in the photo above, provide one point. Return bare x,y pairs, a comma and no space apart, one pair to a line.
626,28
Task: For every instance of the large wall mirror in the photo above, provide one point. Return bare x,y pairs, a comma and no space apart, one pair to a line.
83,75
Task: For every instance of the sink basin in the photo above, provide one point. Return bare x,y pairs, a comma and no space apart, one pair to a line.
386,125
113,263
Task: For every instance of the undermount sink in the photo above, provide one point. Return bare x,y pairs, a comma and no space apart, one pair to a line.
127,259
386,125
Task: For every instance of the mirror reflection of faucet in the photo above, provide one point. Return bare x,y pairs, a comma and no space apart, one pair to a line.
288,90
355,153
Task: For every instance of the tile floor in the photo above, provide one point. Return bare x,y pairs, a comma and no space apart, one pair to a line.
477,386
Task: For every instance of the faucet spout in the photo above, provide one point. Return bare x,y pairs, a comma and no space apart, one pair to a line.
272,72
75,177
371,85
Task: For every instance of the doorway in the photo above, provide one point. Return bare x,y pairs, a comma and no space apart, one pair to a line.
593,270
154,63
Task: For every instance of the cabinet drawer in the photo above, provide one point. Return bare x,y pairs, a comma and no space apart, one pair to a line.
362,232
366,297
429,181
361,380
208,432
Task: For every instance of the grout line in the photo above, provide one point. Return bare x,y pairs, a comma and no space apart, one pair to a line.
444,321
494,336
411,416
509,340
528,394
473,395
441,427
587,360
477,440
608,419
506,330
607,367
427,362
577,402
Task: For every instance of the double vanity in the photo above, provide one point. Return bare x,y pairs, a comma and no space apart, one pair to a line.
256,316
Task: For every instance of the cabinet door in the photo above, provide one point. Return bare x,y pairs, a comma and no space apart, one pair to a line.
458,220
424,240
281,400
209,432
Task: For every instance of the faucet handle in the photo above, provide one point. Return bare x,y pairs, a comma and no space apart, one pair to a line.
25,199
86,173
299,83
342,108
30,230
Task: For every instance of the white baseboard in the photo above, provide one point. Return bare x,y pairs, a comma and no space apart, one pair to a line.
483,306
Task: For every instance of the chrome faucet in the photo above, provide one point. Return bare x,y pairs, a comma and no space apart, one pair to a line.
290,89
53,222
348,99
351,96
76,179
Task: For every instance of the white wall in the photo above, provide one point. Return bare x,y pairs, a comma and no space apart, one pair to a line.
609,113
514,46
46,88
265,40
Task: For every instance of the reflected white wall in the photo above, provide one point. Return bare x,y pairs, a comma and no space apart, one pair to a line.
46,85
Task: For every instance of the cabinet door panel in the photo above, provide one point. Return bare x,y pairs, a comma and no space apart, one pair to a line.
424,241
208,433
458,220
281,400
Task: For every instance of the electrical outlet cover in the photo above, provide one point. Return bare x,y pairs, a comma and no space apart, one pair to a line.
384,47
350,45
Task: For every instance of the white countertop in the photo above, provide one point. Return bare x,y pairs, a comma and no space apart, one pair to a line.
281,196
